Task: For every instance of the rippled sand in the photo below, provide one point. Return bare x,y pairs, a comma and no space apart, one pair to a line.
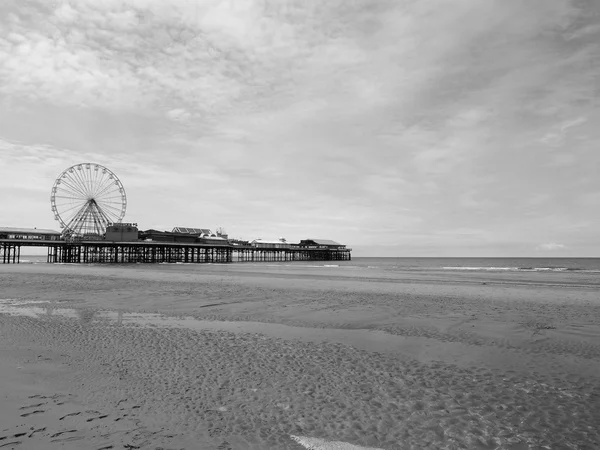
264,357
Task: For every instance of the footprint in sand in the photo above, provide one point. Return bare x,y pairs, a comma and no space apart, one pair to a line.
37,411
60,433
11,443
38,430
95,418
33,406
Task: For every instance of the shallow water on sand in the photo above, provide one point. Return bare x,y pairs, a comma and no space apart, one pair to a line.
276,386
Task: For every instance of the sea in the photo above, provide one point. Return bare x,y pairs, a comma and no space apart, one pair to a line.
584,265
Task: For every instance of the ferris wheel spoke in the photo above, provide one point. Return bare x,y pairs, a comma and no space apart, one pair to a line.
73,196
79,211
111,203
111,197
81,180
71,192
108,189
94,223
76,189
98,181
68,212
67,203
114,204
114,194
74,183
78,220
75,223
70,220
65,211
106,180
113,184
76,186
65,206
112,209
93,175
93,183
81,175
105,214
68,197
106,219
115,214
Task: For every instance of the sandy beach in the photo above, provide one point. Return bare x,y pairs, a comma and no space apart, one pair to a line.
251,356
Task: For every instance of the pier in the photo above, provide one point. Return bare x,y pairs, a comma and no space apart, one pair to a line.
103,252
89,203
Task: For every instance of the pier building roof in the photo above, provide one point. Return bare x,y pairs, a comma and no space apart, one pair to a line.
28,230
322,241
266,241
188,230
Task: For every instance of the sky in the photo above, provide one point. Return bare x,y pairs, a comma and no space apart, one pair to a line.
397,127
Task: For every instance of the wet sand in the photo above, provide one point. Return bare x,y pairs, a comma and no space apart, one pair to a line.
288,357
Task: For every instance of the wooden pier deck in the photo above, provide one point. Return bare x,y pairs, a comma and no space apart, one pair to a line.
106,252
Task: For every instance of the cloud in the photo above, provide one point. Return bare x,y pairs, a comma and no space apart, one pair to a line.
178,114
550,246
371,121
558,136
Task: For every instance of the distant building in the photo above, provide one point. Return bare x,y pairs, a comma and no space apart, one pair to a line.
36,234
263,243
122,232
239,242
194,231
222,233
320,243
212,240
166,236
182,238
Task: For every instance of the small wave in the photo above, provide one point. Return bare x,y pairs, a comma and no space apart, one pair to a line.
522,269
17,302
482,268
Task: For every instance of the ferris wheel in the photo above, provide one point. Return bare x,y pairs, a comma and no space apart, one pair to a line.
87,197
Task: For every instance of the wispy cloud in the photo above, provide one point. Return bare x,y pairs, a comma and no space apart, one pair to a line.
558,136
550,246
